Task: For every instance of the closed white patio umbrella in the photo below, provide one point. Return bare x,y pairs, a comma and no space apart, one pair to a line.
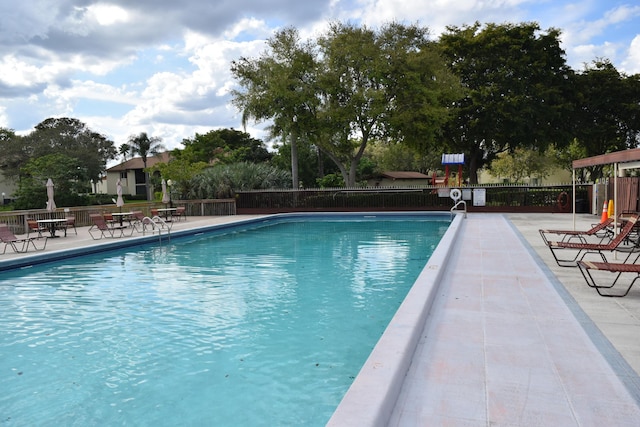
165,195
120,200
51,203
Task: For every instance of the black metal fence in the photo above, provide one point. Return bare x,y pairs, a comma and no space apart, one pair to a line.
479,199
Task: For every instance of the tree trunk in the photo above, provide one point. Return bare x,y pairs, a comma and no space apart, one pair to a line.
294,158
353,168
320,163
473,169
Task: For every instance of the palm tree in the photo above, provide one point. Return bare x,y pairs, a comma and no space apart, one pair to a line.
124,151
144,146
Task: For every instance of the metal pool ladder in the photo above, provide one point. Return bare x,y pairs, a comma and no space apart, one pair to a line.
158,224
456,196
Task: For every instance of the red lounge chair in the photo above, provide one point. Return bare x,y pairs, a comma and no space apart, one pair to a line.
18,245
141,221
599,248
105,229
34,227
600,230
615,269
71,223
180,213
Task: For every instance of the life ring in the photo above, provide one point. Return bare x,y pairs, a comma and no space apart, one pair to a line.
563,201
455,194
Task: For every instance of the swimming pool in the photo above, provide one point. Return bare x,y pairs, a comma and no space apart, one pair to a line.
145,335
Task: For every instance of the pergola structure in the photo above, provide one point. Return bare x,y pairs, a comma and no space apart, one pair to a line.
621,160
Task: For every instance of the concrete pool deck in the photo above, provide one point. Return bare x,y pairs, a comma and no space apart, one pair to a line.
510,339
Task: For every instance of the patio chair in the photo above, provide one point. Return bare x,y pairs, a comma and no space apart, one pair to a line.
105,229
62,226
601,230
18,245
140,221
71,223
180,213
34,227
582,249
618,270
108,217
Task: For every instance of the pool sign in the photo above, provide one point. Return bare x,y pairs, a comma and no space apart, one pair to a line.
479,196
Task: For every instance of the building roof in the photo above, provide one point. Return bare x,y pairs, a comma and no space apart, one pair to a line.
136,162
624,156
404,175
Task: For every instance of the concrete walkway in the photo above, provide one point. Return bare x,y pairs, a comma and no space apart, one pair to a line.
513,340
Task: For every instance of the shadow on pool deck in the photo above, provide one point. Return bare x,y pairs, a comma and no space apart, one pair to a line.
510,339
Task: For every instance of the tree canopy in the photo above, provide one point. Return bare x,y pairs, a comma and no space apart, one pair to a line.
343,89
517,85
607,116
280,86
68,176
223,146
66,136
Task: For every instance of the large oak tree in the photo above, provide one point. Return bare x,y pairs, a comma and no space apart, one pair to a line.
517,90
348,87
66,136
607,116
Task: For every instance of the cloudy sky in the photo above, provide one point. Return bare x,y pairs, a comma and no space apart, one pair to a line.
162,66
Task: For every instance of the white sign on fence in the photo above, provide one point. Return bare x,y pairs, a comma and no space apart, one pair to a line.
479,196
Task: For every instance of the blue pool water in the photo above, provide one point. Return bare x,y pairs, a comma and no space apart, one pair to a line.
259,325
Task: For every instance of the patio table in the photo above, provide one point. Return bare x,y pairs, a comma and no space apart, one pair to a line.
51,224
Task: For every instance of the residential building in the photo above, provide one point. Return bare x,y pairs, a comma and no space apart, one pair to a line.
131,175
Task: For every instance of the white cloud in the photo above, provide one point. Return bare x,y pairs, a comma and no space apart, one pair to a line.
585,54
108,14
4,119
631,64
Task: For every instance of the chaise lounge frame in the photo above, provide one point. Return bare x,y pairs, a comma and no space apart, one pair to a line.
601,230
617,269
106,229
19,245
582,249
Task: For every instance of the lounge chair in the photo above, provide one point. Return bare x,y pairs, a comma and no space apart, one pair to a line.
140,221
34,227
601,231
615,269
180,213
18,245
600,248
105,229
71,223
108,217
62,226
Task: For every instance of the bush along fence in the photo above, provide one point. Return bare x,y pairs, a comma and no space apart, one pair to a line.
544,199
